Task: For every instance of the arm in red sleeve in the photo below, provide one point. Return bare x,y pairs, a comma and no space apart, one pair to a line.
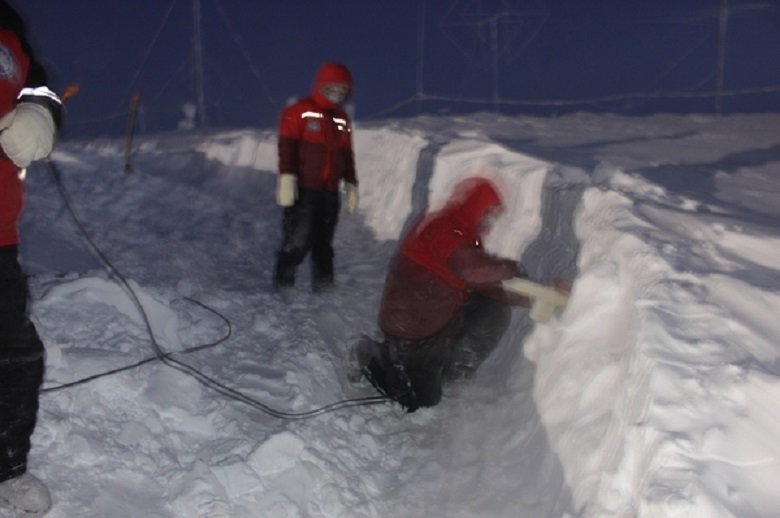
350,172
483,273
476,267
289,141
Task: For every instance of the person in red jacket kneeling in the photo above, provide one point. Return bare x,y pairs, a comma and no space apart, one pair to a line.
315,156
443,308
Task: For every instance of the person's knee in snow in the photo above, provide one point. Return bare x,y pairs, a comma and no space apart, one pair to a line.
485,321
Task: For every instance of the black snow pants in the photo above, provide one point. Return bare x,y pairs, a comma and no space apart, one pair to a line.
308,226
21,367
412,371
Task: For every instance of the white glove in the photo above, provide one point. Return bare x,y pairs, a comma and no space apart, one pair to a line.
29,134
352,197
286,189
546,299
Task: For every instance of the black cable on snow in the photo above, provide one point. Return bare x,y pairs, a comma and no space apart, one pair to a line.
155,358
168,358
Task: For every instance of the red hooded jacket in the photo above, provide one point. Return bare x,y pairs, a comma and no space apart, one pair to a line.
315,136
22,79
440,260
14,64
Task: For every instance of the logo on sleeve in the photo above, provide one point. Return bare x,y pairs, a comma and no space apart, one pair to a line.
8,65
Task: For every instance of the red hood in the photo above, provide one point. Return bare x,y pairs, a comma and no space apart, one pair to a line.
330,73
457,225
471,200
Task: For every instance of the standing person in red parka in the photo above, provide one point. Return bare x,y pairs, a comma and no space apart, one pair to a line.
29,117
315,156
443,308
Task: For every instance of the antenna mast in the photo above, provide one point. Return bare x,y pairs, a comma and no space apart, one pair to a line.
420,55
723,21
197,51
500,27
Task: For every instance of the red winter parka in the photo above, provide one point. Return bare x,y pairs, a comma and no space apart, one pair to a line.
22,80
14,64
440,261
315,136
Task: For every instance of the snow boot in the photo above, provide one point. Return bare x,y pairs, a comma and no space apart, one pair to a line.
388,376
26,495
360,355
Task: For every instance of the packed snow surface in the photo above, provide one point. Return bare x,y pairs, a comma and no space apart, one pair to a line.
654,394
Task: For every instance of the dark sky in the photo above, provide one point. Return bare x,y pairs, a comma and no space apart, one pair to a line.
259,53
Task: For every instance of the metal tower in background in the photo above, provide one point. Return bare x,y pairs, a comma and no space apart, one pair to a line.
197,63
499,26
723,23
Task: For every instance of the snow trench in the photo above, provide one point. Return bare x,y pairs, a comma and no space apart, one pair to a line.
485,450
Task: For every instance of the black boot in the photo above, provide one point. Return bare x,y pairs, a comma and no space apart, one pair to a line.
284,275
389,379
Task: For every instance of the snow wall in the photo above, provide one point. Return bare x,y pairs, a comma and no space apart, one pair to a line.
402,174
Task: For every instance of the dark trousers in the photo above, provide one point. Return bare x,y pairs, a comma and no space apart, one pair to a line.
412,371
21,367
308,226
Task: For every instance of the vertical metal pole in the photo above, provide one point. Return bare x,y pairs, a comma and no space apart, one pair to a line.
723,21
420,54
197,50
494,51
130,131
